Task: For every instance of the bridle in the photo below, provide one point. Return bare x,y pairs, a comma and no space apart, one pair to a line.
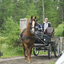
30,23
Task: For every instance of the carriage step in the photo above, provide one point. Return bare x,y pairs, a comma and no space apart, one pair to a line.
41,49
40,45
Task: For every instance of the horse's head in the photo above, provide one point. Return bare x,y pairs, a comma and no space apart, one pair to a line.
32,24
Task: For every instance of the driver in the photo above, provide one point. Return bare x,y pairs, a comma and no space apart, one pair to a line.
38,27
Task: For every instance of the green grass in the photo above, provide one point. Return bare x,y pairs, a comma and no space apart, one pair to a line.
50,63
9,51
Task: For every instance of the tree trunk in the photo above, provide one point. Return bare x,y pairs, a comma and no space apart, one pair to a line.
43,11
36,4
62,11
15,14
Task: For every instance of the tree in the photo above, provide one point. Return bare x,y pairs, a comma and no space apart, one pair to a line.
31,11
62,11
59,30
43,11
25,8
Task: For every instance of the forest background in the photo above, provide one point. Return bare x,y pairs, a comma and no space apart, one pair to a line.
11,11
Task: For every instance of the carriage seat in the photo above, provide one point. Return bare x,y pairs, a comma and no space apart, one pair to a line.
49,31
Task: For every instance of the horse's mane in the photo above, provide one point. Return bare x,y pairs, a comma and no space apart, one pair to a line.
28,22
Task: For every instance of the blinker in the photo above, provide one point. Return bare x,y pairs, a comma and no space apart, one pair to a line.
31,20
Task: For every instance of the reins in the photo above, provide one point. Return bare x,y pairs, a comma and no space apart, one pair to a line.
41,40
34,34
33,37
27,37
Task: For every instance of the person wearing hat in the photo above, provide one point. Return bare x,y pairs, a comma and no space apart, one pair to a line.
38,27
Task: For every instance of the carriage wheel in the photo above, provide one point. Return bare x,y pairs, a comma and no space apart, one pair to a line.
56,50
49,51
35,52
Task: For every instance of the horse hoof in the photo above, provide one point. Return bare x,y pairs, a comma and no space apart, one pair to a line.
25,57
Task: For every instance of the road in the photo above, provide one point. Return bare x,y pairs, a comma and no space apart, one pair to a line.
40,59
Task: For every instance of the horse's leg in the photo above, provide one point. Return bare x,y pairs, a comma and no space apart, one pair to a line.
31,51
24,51
26,48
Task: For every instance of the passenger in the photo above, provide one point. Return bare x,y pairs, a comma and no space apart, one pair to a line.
38,27
46,24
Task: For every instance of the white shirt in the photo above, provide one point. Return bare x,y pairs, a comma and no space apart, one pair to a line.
45,26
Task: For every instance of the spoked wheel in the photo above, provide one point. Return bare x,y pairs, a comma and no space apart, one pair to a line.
35,51
49,51
56,50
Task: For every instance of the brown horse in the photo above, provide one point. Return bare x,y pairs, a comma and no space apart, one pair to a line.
28,38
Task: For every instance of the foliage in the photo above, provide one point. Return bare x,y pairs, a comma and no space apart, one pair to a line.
51,12
12,30
31,11
3,40
59,30
11,11
25,8
39,9
9,51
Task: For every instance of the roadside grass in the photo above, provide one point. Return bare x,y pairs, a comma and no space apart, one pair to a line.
51,63
9,51
41,52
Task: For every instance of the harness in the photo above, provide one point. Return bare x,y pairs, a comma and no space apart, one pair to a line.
28,30
34,34
31,23
32,37
22,32
41,40
28,38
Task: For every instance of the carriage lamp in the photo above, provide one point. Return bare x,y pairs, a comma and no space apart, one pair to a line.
44,39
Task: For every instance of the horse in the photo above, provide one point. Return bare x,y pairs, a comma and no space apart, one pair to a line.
28,37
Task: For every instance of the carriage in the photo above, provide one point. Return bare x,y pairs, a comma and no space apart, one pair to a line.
46,42
41,41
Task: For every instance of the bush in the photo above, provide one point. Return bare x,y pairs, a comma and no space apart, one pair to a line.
12,31
3,40
59,30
